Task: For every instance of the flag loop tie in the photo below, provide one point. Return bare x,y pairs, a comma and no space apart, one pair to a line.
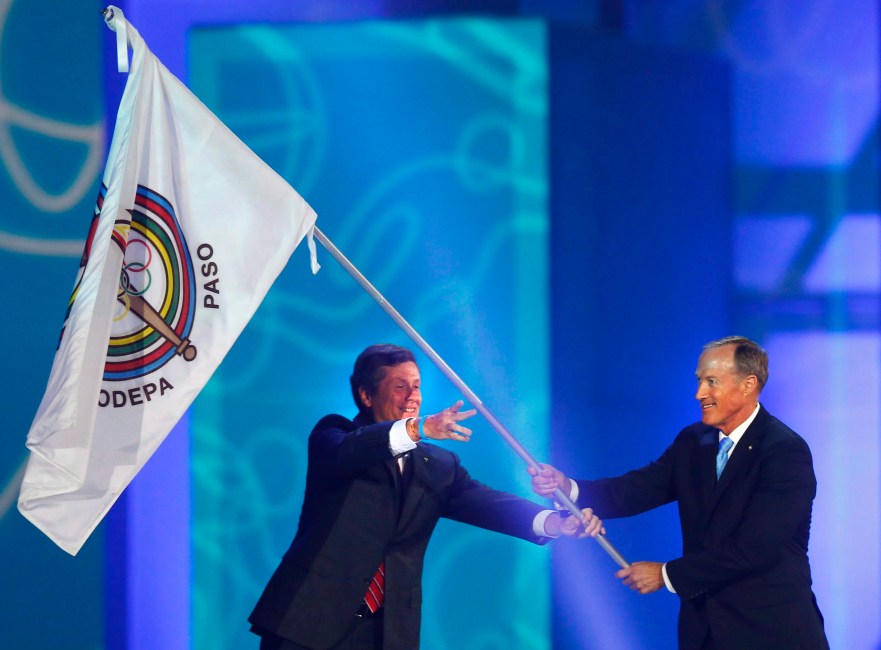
110,14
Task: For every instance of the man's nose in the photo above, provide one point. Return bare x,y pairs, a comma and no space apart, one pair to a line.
700,392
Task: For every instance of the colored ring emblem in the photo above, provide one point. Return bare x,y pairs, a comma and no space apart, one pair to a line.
156,297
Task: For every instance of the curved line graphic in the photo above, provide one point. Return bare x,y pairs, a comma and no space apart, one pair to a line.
90,135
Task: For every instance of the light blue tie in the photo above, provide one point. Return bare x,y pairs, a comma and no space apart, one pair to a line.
722,456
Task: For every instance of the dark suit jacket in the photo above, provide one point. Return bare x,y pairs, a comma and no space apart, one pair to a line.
355,515
744,574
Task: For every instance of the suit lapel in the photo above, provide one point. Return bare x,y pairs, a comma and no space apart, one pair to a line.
420,467
390,465
743,456
706,464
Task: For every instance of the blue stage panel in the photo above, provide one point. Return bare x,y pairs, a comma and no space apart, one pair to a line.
640,250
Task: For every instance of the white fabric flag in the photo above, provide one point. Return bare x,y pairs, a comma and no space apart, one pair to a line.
190,230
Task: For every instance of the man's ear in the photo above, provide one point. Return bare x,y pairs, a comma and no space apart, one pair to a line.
751,383
365,398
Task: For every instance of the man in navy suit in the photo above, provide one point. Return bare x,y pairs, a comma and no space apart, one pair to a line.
374,493
744,483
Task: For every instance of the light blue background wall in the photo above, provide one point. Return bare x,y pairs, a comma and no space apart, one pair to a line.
51,153
421,144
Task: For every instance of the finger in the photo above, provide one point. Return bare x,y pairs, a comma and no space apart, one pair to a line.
596,527
590,530
587,518
452,435
464,415
455,407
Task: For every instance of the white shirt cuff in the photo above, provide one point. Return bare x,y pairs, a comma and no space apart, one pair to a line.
538,524
399,441
666,579
573,494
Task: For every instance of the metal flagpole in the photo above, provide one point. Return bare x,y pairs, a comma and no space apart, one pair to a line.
561,496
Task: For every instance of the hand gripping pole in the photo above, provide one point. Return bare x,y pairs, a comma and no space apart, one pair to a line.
561,497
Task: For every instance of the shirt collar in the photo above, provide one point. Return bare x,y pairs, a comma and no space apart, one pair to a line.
738,432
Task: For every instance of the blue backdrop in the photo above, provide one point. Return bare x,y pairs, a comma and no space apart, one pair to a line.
639,184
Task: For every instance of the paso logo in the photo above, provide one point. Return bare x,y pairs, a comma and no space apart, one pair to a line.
156,301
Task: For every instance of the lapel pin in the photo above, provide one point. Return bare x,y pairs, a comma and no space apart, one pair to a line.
750,448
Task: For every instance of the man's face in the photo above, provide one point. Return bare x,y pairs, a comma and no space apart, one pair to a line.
397,396
726,398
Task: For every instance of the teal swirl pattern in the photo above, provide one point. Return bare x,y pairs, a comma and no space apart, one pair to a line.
423,147
51,156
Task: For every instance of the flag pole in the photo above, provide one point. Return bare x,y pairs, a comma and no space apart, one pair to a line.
508,437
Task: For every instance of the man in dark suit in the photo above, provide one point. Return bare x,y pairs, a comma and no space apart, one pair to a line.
351,578
743,580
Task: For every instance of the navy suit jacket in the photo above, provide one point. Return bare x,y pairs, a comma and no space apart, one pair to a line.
355,514
744,575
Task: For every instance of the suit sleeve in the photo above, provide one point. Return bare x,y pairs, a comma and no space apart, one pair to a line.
472,502
633,493
337,447
776,517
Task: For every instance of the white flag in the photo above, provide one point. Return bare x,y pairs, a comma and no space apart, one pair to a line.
190,230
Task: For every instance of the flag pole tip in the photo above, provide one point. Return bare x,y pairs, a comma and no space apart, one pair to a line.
107,13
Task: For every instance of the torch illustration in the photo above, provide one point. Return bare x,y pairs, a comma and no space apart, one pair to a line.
144,310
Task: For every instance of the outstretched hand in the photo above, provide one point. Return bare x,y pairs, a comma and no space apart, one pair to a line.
445,425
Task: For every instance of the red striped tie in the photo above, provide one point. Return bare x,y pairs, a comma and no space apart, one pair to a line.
376,592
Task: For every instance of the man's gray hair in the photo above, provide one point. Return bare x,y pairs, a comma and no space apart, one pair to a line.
749,357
